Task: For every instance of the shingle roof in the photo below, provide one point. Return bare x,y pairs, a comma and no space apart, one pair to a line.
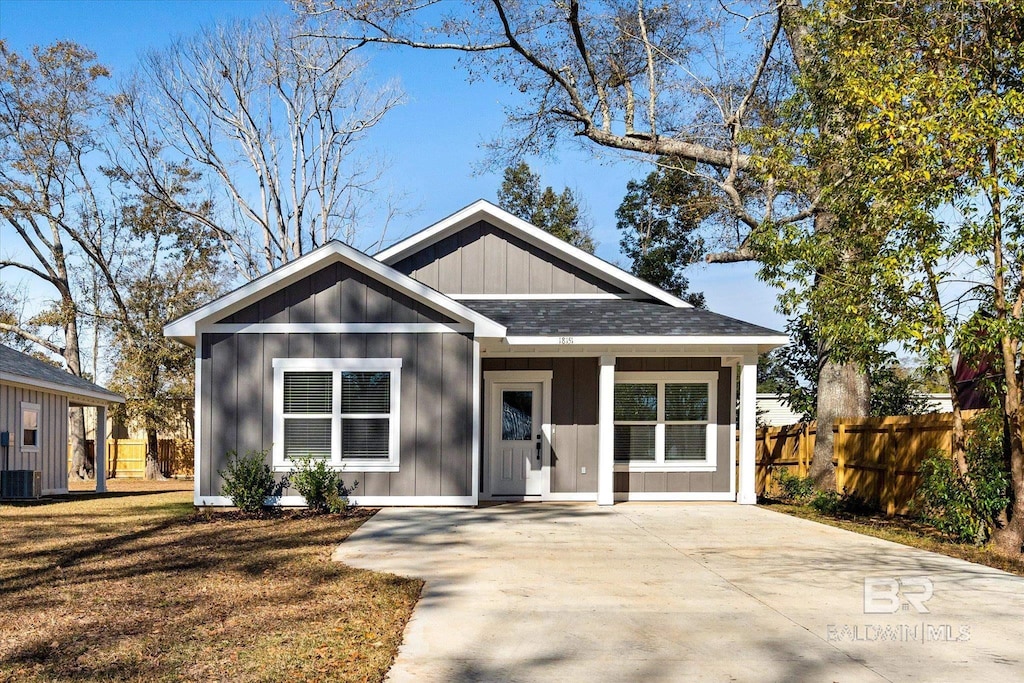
24,366
603,317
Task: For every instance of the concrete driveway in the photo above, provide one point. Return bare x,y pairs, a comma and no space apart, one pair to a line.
682,592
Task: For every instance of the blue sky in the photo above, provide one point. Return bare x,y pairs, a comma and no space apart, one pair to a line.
433,143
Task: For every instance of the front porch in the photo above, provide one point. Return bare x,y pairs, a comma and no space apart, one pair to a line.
609,423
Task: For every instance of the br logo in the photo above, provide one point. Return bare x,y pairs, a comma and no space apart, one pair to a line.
890,595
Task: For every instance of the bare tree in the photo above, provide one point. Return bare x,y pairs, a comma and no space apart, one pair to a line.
668,80
273,120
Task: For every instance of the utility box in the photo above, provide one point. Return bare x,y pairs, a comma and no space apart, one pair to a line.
21,484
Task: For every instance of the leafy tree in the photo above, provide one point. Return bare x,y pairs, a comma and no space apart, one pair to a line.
557,213
934,170
658,219
172,269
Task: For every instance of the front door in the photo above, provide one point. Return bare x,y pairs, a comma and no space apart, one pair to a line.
515,429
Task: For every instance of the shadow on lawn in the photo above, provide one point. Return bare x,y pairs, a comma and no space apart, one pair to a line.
180,595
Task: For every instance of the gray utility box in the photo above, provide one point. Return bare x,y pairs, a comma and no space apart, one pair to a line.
21,484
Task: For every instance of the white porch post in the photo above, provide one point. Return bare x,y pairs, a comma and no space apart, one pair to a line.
101,449
746,494
606,432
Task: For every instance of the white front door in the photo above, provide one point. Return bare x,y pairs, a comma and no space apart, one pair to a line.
515,439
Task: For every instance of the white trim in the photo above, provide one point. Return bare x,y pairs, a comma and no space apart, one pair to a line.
477,446
548,297
733,445
747,492
32,408
336,366
506,221
99,396
184,328
197,424
544,378
366,501
661,378
640,340
336,328
671,496
606,431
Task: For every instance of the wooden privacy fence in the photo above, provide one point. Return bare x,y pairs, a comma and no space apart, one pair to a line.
126,458
876,458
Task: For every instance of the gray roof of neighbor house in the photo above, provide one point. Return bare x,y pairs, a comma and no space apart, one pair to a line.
21,368
611,317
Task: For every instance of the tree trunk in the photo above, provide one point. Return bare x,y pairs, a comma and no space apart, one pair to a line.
843,391
80,465
153,456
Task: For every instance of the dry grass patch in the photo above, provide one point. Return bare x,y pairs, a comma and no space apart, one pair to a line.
907,531
141,587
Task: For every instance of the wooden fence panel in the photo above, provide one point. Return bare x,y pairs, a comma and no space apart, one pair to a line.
877,459
126,458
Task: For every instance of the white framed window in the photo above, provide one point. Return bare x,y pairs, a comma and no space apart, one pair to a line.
665,421
344,410
29,440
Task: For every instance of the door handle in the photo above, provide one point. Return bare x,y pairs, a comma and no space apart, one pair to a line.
538,448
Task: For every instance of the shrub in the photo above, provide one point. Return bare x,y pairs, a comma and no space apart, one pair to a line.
248,480
965,507
827,503
320,485
794,487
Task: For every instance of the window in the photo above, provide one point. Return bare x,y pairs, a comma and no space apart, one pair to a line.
665,421
30,426
344,410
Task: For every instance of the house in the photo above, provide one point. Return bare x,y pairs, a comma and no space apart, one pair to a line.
774,411
480,358
34,401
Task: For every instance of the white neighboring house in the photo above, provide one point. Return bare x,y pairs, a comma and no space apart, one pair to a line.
772,410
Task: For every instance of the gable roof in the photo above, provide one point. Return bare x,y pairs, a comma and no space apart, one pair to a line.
20,368
620,318
184,328
486,211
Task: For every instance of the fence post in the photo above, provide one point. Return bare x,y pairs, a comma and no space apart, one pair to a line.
839,446
801,453
889,485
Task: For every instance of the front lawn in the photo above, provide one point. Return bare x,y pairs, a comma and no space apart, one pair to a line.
141,588
905,530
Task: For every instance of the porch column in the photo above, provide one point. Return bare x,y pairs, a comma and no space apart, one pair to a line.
101,449
606,432
746,493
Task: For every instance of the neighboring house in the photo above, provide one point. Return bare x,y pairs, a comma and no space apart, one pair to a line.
34,401
481,358
773,411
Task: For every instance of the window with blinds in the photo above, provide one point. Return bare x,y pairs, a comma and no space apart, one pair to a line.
342,410
663,421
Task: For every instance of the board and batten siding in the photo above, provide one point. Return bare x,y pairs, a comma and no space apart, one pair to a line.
337,293
574,409
483,259
51,459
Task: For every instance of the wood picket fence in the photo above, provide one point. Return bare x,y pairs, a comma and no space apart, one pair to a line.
126,458
877,459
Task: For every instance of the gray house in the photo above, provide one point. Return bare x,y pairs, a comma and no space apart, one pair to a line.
479,359
34,401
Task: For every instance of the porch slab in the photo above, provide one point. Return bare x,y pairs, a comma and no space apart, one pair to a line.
694,592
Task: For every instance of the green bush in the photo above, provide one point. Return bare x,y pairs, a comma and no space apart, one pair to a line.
965,507
248,480
794,487
320,485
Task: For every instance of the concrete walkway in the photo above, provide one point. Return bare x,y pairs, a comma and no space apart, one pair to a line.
681,592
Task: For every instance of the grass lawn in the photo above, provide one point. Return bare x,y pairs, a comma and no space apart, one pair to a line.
907,531
139,587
